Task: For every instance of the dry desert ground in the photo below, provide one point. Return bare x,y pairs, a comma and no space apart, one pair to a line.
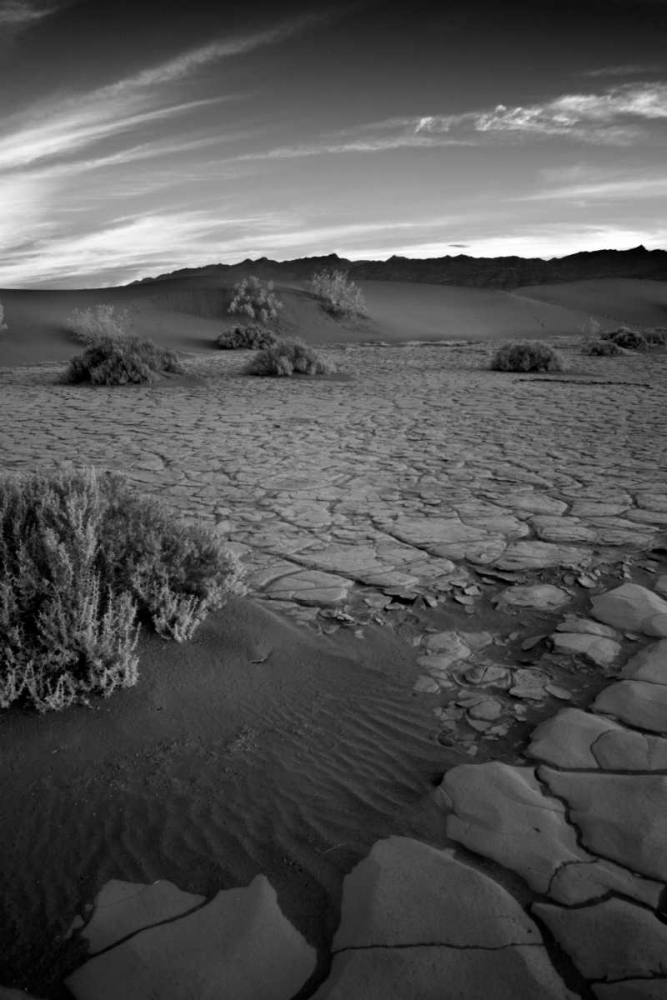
425,756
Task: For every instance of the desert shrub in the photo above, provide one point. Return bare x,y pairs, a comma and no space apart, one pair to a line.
339,295
289,357
601,348
629,339
121,360
82,561
91,325
655,338
256,299
3,325
530,356
246,338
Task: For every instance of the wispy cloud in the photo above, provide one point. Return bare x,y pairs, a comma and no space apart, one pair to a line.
616,117
188,62
132,247
625,70
613,116
22,13
621,188
76,125
64,127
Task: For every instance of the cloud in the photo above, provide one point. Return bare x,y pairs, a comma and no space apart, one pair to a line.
613,116
64,127
628,69
618,116
628,188
22,13
75,125
23,208
131,247
546,241
192,60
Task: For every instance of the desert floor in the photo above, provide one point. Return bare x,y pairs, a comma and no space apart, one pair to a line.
394,501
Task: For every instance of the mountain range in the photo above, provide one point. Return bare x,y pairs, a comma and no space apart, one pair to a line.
471,272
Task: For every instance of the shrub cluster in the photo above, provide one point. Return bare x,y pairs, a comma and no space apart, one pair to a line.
83,560
601,348
289,357
91,325
340,296
256,299
655,338
631,340
3,325
121,361
530,356
247,338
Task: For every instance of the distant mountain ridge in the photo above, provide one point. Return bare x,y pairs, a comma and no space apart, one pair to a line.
472,272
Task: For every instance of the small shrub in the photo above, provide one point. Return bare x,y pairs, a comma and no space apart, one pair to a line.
91,325
630,340
82,560
121,361
531,356
256,299
289,357
3,325
250,338
655,338
340,296
601,348
591,329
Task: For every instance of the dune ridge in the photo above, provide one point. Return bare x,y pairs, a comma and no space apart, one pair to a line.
188,313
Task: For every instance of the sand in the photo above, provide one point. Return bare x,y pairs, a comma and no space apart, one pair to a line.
187,314
257,747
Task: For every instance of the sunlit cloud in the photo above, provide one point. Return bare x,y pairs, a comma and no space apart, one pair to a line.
614,117
23,212
83,124
133,246
555,240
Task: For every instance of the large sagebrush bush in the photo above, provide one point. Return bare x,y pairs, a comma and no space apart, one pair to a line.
252,338
256,299
121,361
600,348
288,357
83,562
631,340
339,296
97,323
529,356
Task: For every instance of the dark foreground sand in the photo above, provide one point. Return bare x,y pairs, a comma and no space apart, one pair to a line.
257,747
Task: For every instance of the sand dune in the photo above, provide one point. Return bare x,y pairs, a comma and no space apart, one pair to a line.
611,301
186,314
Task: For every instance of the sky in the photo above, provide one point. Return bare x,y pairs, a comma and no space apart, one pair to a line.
138,137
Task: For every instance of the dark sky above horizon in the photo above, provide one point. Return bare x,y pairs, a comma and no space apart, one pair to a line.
140,137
